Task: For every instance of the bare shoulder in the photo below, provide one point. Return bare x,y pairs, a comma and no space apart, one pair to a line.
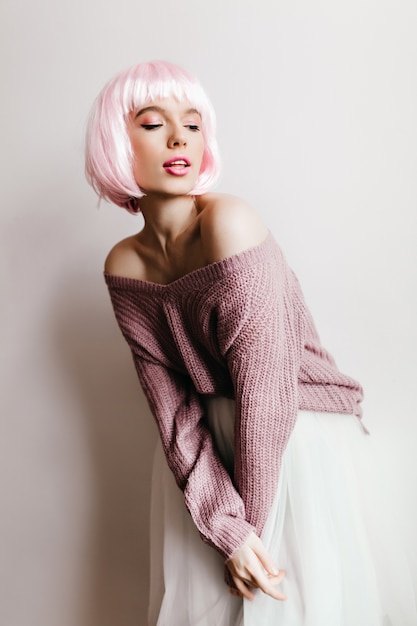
123,259
229,225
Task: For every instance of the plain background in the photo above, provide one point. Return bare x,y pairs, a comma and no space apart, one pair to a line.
316,103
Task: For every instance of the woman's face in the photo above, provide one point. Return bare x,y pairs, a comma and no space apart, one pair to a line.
168,146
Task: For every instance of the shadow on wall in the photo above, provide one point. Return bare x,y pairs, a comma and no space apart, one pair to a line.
97,366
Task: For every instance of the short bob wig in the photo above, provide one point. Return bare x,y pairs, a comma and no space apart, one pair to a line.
109,155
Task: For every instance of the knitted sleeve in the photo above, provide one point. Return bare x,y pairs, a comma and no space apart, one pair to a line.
212,500
261,338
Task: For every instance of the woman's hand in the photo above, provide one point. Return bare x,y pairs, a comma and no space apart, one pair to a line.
251,566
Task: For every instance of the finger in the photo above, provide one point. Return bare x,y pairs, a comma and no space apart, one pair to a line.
268,585
271,590
265,558
276,579
243,589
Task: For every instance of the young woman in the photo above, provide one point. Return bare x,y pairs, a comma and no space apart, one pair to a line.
256,422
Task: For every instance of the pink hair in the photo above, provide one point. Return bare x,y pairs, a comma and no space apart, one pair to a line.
109,156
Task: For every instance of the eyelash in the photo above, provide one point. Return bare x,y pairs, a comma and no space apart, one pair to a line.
193,127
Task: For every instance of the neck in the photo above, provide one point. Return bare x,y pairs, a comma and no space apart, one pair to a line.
166,217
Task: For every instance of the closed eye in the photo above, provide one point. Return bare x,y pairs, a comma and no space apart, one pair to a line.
193,127
151,126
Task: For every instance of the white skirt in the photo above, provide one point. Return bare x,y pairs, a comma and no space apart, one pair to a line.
325,530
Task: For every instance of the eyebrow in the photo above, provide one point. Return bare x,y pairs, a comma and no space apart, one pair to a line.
161,110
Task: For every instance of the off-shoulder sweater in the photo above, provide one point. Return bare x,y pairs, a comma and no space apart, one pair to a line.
238,328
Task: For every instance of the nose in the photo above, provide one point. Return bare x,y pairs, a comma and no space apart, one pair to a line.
177,138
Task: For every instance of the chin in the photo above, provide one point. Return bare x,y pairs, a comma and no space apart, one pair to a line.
174,190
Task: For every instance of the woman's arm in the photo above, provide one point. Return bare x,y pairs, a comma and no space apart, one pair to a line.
214,504
261,340
260,343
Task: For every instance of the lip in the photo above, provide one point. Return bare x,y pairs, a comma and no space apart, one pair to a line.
174,168
179,157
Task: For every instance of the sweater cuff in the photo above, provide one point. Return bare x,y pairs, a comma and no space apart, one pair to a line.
231,536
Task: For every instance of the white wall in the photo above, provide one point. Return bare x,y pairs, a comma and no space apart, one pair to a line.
316,103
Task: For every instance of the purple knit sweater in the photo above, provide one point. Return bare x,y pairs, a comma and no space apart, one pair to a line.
237,328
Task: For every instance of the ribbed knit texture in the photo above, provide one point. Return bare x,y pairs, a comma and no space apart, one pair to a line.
238,328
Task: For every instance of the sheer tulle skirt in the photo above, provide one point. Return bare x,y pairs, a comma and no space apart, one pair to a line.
325,529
